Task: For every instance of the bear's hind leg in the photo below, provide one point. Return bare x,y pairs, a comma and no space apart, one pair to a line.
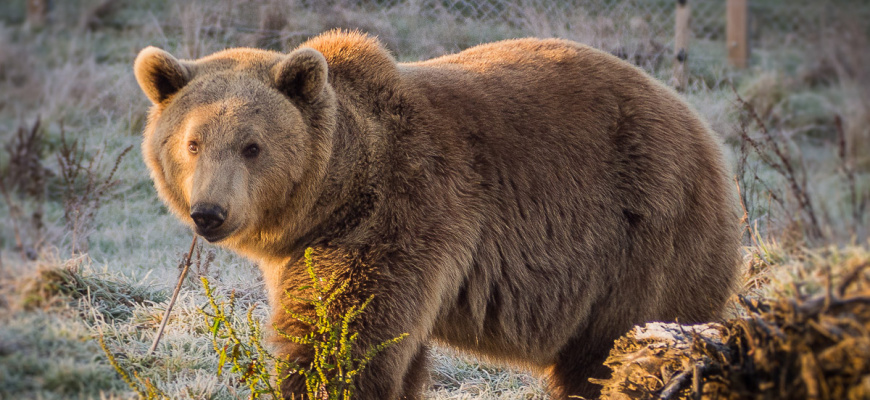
578,362
417,376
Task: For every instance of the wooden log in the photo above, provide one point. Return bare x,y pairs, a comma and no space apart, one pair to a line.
37,12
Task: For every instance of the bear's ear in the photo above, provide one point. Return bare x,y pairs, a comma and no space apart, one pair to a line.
301,74
159,74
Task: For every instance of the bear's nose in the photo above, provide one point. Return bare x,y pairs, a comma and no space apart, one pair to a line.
207,217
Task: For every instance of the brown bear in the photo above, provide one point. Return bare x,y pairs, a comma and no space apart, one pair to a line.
528,201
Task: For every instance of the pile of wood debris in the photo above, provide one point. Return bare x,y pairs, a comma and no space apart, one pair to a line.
790,346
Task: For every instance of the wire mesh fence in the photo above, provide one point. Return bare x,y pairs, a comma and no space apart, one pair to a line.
641,31
771,18
640,28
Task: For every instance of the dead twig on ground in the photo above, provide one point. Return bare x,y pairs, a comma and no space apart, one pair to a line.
186,262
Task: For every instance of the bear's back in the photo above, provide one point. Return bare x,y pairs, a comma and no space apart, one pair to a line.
591,173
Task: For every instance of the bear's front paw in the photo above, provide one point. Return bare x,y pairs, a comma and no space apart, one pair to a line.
293,387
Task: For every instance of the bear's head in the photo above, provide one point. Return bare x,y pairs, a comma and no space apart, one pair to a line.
238,142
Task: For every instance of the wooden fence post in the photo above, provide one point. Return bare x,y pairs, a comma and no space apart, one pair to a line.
37,12
681,45
737,33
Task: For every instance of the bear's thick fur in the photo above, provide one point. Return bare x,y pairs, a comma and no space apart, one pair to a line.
527,200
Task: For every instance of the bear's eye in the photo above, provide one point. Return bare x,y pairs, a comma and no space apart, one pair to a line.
193,147
251,150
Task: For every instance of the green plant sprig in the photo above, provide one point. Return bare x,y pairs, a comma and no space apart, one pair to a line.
142,386
331,338
246,355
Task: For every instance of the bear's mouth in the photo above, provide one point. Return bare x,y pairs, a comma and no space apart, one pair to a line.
214,236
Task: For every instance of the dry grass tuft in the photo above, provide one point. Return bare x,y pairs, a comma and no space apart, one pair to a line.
52,285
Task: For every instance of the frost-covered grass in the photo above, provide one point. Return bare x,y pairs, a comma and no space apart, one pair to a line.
75,76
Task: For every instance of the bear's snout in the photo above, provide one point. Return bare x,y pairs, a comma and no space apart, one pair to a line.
208,218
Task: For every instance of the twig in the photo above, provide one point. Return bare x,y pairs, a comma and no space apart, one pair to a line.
848,168
675,385
745,218
13,213
181,277
782,164
850,277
